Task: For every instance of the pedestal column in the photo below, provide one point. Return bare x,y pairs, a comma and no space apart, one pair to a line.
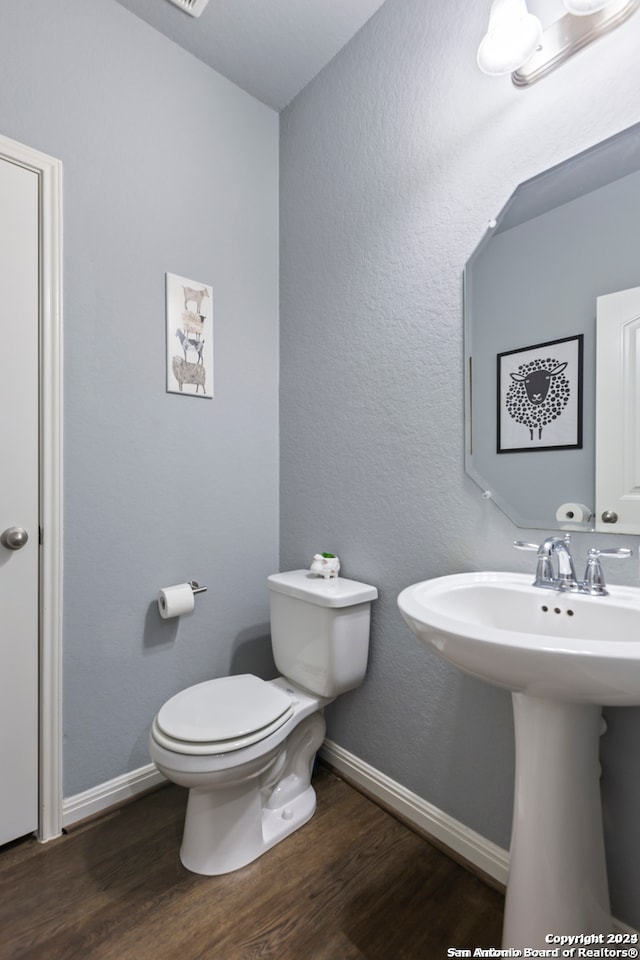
557,874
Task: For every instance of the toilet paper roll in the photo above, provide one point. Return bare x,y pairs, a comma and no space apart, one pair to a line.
176,600
573,513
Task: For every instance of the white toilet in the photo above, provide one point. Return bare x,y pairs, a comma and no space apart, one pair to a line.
245,747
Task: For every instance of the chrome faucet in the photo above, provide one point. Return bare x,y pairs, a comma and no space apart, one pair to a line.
564,577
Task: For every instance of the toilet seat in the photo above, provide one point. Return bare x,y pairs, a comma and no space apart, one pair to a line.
222,715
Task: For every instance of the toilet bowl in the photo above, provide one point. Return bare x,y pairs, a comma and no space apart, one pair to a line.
245,747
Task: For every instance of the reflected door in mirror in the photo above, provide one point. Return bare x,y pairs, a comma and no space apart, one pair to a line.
618,412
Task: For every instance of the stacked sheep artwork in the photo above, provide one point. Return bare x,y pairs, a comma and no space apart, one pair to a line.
189,337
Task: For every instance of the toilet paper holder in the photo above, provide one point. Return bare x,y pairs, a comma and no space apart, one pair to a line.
178,599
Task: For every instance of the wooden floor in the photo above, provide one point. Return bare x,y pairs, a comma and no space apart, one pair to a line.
353,883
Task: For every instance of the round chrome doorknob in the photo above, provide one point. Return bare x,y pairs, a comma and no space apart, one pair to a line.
14,538
609,516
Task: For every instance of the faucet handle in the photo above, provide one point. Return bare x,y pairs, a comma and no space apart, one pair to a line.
544,569
594,574
621,552
523,545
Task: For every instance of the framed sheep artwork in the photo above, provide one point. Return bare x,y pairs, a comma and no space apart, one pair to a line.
189,327
540,397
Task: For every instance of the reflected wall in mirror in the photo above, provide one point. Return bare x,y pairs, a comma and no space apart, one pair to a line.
564,238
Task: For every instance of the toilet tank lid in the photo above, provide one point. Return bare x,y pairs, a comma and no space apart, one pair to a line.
330,592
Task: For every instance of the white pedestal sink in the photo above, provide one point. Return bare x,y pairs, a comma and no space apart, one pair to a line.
563,656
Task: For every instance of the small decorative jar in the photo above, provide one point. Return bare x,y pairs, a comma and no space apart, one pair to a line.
325,565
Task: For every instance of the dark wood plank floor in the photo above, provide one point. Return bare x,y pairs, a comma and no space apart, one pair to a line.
353,883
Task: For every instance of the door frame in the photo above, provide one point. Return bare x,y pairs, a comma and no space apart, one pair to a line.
49,173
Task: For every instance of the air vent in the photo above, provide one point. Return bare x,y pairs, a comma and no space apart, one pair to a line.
193,7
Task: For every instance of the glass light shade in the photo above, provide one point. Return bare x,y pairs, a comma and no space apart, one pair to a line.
582,8
513,36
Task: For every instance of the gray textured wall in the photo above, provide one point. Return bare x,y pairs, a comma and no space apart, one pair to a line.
167,167
393,161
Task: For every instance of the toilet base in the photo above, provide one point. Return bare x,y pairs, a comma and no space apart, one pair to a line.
231,853
227,828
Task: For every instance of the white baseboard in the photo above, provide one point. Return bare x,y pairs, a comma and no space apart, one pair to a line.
482,853
109,794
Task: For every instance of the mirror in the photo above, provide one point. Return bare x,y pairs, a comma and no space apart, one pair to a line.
563,239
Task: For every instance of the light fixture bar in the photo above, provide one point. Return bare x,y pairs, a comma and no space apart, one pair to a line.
568,35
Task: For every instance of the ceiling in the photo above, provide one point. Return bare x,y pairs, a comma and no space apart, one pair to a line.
270,48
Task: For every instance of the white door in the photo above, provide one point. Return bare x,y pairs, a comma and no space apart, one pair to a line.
19,501
618,412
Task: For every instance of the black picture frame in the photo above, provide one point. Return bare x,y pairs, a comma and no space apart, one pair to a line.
539,396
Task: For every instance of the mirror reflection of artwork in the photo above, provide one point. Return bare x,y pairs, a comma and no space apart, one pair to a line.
540,397
562,239
189,337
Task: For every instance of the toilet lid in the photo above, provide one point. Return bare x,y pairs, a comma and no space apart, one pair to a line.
227,709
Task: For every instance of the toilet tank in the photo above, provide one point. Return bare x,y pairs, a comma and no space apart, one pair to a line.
320,630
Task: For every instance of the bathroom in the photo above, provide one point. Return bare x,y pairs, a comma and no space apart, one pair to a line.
334,235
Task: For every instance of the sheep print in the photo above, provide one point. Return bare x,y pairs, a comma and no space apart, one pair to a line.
540,396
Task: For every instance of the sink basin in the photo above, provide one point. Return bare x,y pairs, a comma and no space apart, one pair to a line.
544,643
563,656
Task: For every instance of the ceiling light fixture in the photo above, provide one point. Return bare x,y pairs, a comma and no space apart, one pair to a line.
514,44
582,8
512,37
193,7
